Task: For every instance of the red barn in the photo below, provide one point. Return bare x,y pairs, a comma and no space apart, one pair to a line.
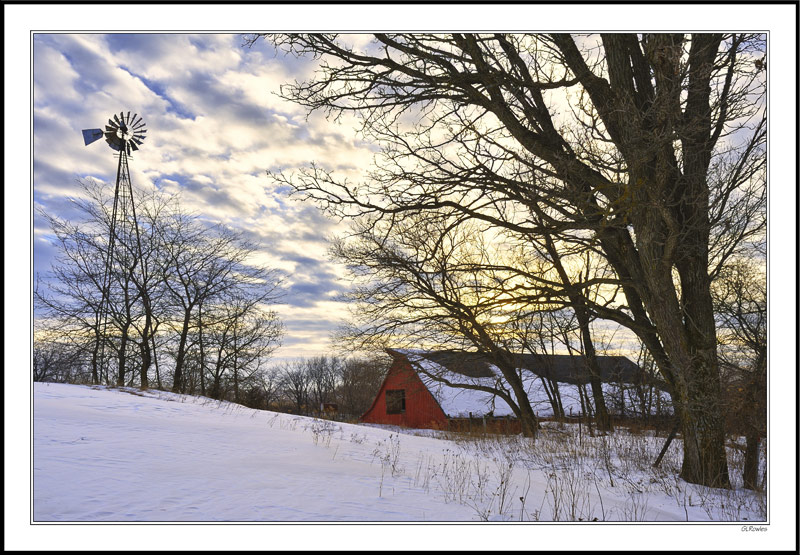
403,400
454,389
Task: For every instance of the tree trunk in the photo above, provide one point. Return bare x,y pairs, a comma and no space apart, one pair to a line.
202,349
704,458
751,457
146,360
707,424
177,380
235,366
581,313
602,417
551,390
95,357
528,421
144,349
696,394
155,361
755,419
123,344
697,404
527,418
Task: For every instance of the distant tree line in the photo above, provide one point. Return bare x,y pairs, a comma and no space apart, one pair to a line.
333,386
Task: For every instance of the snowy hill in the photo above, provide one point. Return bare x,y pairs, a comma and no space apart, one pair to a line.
124,455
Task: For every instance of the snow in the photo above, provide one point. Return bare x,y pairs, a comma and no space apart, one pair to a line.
123,455
457,402
164,457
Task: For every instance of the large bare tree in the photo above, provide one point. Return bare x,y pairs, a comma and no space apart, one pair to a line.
610,138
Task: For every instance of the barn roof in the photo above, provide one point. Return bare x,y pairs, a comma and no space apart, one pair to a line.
445,373
561,368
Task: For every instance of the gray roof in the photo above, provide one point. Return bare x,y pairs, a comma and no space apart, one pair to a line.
561,368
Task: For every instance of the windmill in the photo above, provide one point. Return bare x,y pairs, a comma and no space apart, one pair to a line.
124,134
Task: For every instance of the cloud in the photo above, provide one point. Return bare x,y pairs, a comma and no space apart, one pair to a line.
216,124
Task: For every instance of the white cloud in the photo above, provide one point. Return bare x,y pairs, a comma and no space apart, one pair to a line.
215,126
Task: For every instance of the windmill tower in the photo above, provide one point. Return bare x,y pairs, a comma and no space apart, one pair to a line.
124,134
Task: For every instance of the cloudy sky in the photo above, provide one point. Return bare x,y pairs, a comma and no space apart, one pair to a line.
215,127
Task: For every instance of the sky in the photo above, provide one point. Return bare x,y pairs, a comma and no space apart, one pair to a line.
215,127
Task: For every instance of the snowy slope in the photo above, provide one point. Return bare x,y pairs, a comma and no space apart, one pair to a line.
122,455
110,455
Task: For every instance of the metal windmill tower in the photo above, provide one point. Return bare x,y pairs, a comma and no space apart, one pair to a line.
124,134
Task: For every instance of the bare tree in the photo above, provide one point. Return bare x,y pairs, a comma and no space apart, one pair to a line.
240,338
648,395
538,334
295,383
266,388
156,283
358,383
153,215
430,283
206,263
93,293
323,372
740,301
58,361
579,295
495,126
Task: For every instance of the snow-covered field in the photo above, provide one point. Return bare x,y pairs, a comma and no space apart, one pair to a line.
128,456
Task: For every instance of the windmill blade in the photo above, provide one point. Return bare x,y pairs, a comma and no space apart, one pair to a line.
124,133
91,135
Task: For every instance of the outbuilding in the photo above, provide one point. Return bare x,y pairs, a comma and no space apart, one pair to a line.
431,389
